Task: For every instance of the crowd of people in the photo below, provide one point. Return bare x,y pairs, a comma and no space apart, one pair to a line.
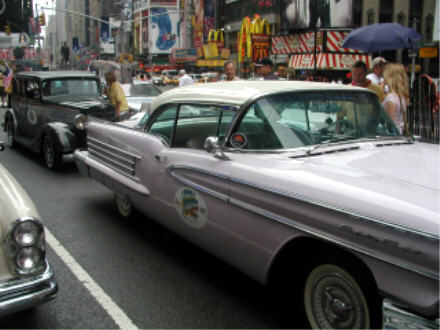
389,81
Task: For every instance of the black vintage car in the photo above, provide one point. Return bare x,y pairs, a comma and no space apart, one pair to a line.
49,109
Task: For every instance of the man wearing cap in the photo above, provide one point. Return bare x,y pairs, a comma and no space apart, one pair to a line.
267,69
377,75
184,79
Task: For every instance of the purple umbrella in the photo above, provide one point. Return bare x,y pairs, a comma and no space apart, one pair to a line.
380,37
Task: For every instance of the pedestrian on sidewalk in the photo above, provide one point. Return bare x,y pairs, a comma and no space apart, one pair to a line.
184,79
377,75
229,69
2,89
397,99
267,69
359,78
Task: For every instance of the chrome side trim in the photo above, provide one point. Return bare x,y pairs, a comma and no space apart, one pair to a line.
289,222
306,229
395,317
301,198
199,187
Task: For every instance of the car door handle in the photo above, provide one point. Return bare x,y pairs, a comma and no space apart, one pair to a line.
158,158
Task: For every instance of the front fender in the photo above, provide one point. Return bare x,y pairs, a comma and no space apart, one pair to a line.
10,113
66,138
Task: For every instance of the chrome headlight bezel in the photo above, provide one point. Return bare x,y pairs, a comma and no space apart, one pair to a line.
30,240
80,122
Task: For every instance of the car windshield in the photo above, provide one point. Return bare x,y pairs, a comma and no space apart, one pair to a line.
294,120
141,90
70,86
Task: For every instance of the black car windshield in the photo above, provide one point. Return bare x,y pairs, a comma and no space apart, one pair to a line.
69,86
300,119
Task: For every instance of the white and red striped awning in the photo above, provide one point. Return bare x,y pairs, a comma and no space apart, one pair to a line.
335,40
327,61
297,43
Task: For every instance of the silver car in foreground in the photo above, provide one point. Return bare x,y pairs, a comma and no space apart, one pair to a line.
26,278
307,186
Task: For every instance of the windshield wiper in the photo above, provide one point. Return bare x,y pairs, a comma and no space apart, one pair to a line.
329,142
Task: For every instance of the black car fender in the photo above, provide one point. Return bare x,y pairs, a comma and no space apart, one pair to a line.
63,136
10,115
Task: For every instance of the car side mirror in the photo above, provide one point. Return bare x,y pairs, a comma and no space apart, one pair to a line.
212,145
2,146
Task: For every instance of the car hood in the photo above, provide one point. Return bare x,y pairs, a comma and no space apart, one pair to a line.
79,102
398,184
135,102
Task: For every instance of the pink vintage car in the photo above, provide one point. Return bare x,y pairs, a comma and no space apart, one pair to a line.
306,185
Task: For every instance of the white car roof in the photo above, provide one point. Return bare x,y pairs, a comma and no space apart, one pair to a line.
238,92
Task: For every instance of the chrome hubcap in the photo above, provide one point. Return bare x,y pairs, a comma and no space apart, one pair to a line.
335,300
124,205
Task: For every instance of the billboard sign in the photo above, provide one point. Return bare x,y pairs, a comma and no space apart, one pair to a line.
209,18
13,40
197,22
163,32
308,14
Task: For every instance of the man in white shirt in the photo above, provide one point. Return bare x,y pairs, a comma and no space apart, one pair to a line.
376,76
184,79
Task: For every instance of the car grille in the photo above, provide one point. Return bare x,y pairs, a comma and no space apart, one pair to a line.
115,158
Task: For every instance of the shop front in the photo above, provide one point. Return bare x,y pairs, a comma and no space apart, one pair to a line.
319,57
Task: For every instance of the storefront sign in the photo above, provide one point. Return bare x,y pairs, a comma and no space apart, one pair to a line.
197,23
297,43
210,51
209,18
183,55
428,52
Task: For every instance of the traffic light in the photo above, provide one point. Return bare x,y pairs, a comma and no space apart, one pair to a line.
42,20
8,30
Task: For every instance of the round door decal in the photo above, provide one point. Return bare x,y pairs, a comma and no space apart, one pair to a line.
191,207
31,116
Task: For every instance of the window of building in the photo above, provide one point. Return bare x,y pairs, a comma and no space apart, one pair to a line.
370,16
386,11
415,14
357,13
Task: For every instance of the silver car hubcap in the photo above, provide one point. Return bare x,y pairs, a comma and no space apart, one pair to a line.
333,299
124,205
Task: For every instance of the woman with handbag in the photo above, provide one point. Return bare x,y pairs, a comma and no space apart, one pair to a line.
396,101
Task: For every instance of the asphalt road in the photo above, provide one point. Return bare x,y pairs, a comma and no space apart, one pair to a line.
157,279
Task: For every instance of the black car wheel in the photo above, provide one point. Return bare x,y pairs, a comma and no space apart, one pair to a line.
10,132
334,298
52,158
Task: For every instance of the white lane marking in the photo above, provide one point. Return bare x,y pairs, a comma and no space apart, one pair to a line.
116,313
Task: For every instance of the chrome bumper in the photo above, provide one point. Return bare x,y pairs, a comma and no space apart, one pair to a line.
27,292
397,318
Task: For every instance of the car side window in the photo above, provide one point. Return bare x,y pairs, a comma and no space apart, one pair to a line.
32,90
198,121
163,124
